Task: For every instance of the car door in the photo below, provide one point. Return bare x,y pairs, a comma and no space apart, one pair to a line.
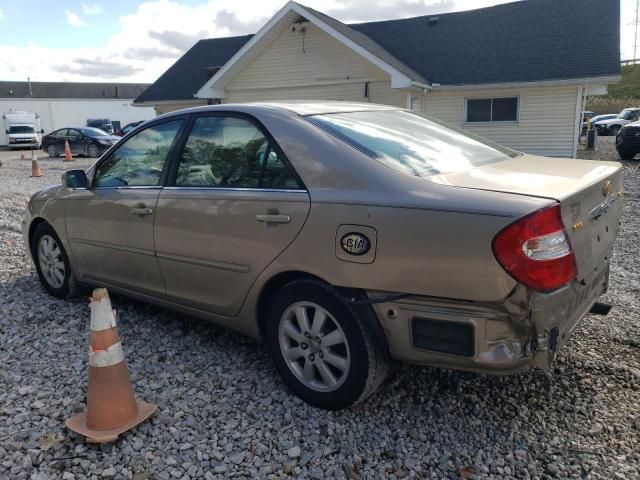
58,138
110,224
76,141
232,205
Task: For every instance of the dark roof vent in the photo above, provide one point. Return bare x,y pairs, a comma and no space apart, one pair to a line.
434,20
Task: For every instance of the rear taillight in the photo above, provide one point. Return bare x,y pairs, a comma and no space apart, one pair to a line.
535,250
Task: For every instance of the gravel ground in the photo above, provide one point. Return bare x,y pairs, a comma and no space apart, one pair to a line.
223,412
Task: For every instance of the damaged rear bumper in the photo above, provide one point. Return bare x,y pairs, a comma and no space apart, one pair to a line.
526,329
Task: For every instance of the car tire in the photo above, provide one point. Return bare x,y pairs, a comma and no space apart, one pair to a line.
52,151
626,154
329,376
93,150
49,257
613,130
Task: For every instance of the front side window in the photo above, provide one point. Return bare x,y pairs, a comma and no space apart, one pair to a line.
412,143
231,152
140,160
504,109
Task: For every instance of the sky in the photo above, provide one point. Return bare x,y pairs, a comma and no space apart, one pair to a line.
136,41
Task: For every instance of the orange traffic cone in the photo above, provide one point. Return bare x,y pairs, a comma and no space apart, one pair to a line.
35,166
67,152
111,406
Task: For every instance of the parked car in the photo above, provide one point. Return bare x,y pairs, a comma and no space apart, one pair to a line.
128,127
102,124
613,125
88,141
346,235
595,119
628,141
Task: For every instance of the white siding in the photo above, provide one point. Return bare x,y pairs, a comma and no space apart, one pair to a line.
60,113
161,108
379,92
546,123
322,69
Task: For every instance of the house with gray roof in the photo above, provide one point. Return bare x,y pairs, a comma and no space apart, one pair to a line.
517,73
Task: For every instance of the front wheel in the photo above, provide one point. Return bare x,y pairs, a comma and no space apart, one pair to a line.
52,263
613,130
52,151
93,150
321,347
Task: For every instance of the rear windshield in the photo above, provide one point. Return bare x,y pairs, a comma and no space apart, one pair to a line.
412,143
21,129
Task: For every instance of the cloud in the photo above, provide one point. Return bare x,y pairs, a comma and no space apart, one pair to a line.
177,40
149,53
230,21
97,68
1,15
365,10
74,20
93,9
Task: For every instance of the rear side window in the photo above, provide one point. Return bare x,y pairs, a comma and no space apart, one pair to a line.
232,152
140,160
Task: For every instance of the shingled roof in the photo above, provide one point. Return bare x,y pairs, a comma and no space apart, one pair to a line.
524,41
189,73
76,90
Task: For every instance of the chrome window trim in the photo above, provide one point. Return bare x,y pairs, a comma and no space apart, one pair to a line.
239,189
131,187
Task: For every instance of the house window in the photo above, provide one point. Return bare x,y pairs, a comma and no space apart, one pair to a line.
503,109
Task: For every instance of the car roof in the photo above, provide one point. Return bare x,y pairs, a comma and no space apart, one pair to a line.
300,107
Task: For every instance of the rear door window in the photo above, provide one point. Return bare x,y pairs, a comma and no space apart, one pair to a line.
232,152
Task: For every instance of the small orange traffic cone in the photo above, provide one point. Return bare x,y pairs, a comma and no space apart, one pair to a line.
111,405
35,166
67,152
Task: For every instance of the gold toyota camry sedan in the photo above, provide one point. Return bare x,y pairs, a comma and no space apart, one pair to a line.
344,235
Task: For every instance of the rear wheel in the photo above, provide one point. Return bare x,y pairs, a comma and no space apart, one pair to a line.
52,151
52,263
321,347
626,154
93,150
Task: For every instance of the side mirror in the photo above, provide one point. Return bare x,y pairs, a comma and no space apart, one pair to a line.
42,130
75,179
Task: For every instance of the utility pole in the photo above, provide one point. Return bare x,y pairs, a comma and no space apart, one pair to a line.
635,38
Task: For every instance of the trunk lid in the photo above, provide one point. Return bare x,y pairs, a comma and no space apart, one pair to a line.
589,193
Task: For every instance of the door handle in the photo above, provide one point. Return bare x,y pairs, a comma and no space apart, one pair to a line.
273,218
141,211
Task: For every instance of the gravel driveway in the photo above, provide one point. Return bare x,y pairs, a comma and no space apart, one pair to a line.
223,411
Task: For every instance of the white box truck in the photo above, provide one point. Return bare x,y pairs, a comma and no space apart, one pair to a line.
22,130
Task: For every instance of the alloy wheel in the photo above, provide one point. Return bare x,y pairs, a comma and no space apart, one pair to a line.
93,150
314,346
51,261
